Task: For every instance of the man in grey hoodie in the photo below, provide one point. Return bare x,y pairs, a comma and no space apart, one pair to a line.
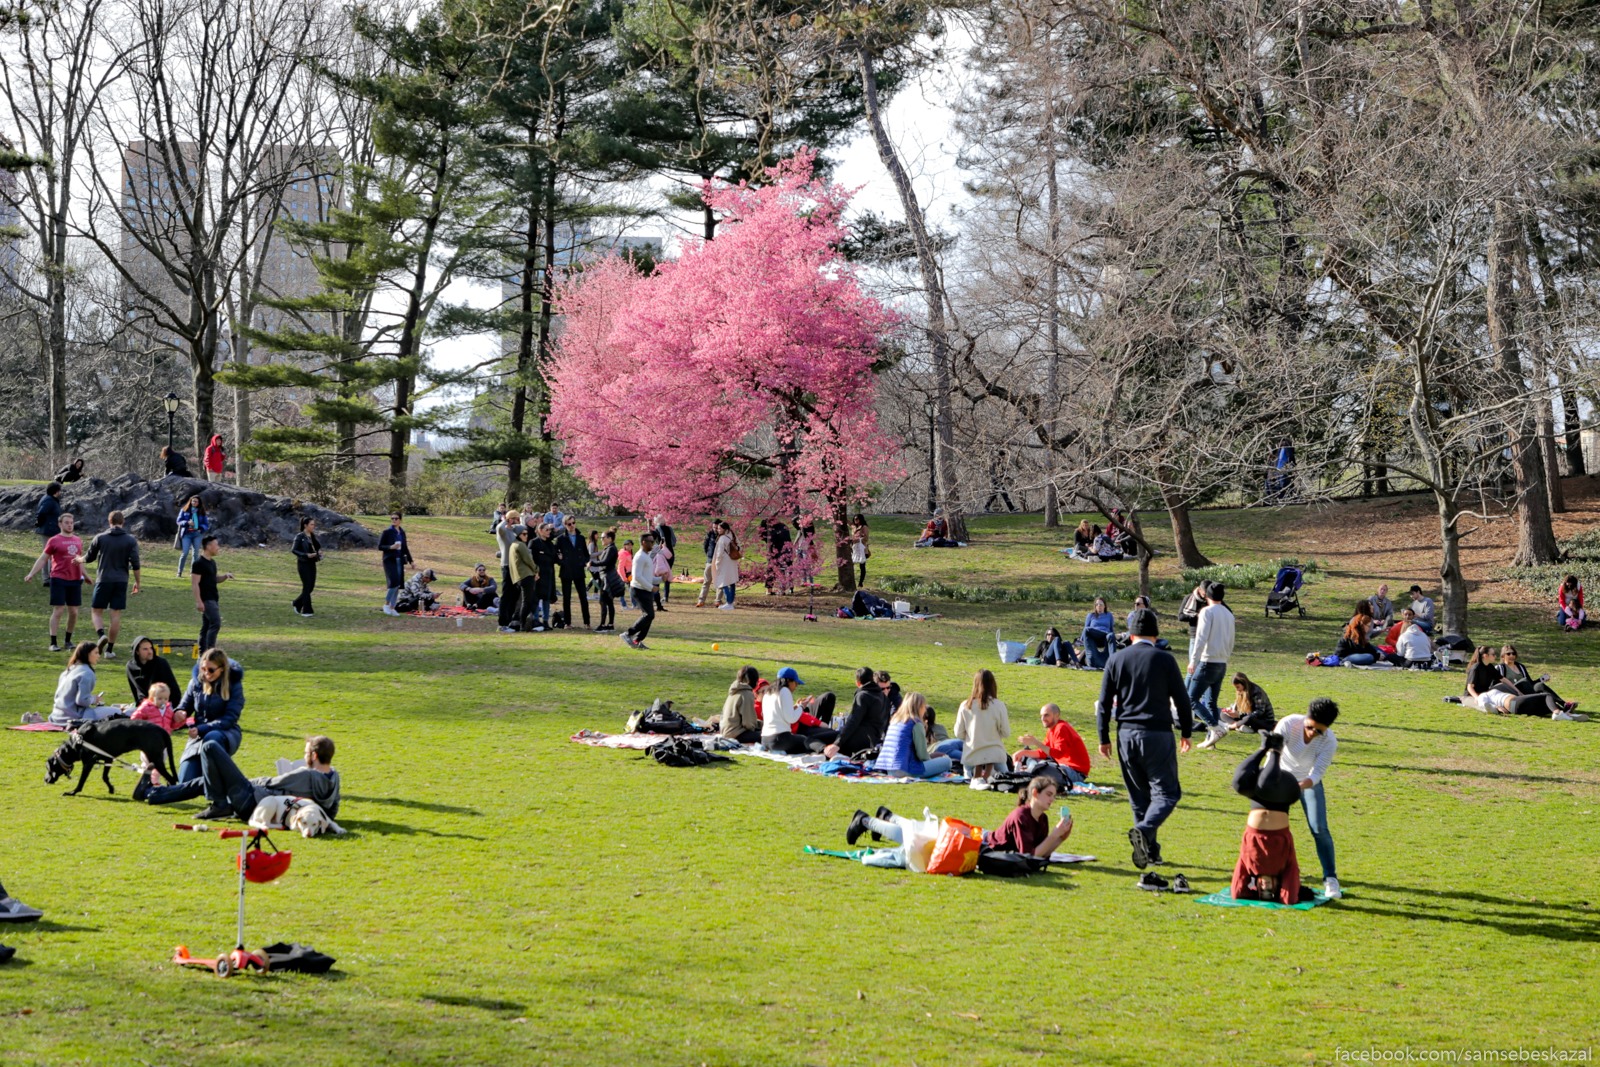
230,793
117,552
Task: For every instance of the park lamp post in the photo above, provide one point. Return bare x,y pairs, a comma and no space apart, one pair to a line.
170,402
933,496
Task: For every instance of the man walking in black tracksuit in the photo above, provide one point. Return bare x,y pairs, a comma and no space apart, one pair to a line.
573,552
1141,688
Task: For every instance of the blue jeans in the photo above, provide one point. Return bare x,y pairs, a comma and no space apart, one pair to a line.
950,749
191,550
1204,685
1360,659
190,768
1097,646
1150,769
727,593
1316,807
224,783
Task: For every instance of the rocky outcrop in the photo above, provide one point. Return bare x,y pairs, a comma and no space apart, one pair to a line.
239,517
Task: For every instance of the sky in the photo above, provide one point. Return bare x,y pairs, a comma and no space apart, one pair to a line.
919,121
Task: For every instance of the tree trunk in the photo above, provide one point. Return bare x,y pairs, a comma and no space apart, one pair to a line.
204,386
1052,366
933,292
241,399
1453,587
56,374
1570,420
1572,431
1536,539
545,491
1143,552
841,548
525,355
1189,554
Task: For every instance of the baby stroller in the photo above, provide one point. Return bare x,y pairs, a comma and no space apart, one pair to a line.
1285,595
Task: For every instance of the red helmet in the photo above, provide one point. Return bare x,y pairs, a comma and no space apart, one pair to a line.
262,866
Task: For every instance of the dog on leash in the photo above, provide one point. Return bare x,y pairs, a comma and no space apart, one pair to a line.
100,742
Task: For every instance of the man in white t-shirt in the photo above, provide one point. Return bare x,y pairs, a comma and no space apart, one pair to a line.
644,590
1308,749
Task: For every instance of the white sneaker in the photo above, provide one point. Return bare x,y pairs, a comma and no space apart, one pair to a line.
1213,735
387,610
978,783
1569,716
724,607
1331,889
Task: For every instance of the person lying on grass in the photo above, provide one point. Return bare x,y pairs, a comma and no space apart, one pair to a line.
1026,829
231,795
1061,743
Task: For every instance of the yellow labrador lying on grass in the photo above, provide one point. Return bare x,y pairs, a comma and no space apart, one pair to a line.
304,817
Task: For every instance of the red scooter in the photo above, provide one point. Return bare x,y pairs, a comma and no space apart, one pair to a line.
255,865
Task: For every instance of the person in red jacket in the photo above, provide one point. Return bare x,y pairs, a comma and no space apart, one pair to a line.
1569,604
215,459
1061,743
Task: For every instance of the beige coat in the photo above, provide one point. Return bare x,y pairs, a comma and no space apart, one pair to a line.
739,710
724,568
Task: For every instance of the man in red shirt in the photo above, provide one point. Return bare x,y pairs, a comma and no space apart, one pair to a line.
61,552
1061,743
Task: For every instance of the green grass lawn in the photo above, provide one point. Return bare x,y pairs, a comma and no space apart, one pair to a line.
506,897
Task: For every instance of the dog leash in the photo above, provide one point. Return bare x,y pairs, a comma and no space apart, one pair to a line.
102,753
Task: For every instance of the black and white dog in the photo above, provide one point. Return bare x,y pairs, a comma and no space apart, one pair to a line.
100,742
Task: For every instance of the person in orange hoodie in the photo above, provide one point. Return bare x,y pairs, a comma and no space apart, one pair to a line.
1061,743
215,459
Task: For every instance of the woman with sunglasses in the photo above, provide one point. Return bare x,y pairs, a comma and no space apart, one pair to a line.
214,701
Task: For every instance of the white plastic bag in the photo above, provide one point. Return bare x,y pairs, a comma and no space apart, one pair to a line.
918,836
1010,651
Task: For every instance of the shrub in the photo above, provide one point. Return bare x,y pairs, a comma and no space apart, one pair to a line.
1580,555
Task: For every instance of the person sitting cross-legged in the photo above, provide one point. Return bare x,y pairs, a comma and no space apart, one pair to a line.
231,795
1061,743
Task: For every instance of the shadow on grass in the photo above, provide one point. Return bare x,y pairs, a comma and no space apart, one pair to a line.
482,1003
395,829
419,805
62,928
1450,772
1538,923
1442,733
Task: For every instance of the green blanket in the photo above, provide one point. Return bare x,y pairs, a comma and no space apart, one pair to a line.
1225,899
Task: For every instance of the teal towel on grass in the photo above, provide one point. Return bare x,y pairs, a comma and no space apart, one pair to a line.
1225,899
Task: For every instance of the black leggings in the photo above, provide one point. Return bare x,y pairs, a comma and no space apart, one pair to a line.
861,574
1262,779
308,582
508,597
1537,687
796,744
1541,704
608,608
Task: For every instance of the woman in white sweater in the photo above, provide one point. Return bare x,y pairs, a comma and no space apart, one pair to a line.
983,725
76,700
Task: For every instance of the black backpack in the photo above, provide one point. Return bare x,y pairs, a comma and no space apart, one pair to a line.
682,752
660,719
1010,864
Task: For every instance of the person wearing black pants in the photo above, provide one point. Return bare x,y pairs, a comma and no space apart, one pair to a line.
1141,688
505,536
307,551
604,565
572,551
644,580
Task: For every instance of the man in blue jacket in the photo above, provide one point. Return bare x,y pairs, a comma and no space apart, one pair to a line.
1141,690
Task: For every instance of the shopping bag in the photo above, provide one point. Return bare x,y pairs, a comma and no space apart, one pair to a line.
956,850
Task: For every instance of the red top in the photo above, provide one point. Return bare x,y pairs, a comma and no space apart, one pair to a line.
214,455
62,550
1577,600
1021,832
1067,747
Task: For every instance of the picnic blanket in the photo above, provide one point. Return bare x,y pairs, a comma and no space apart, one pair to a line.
867,855
40,728
449,611
812,763
1224,899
